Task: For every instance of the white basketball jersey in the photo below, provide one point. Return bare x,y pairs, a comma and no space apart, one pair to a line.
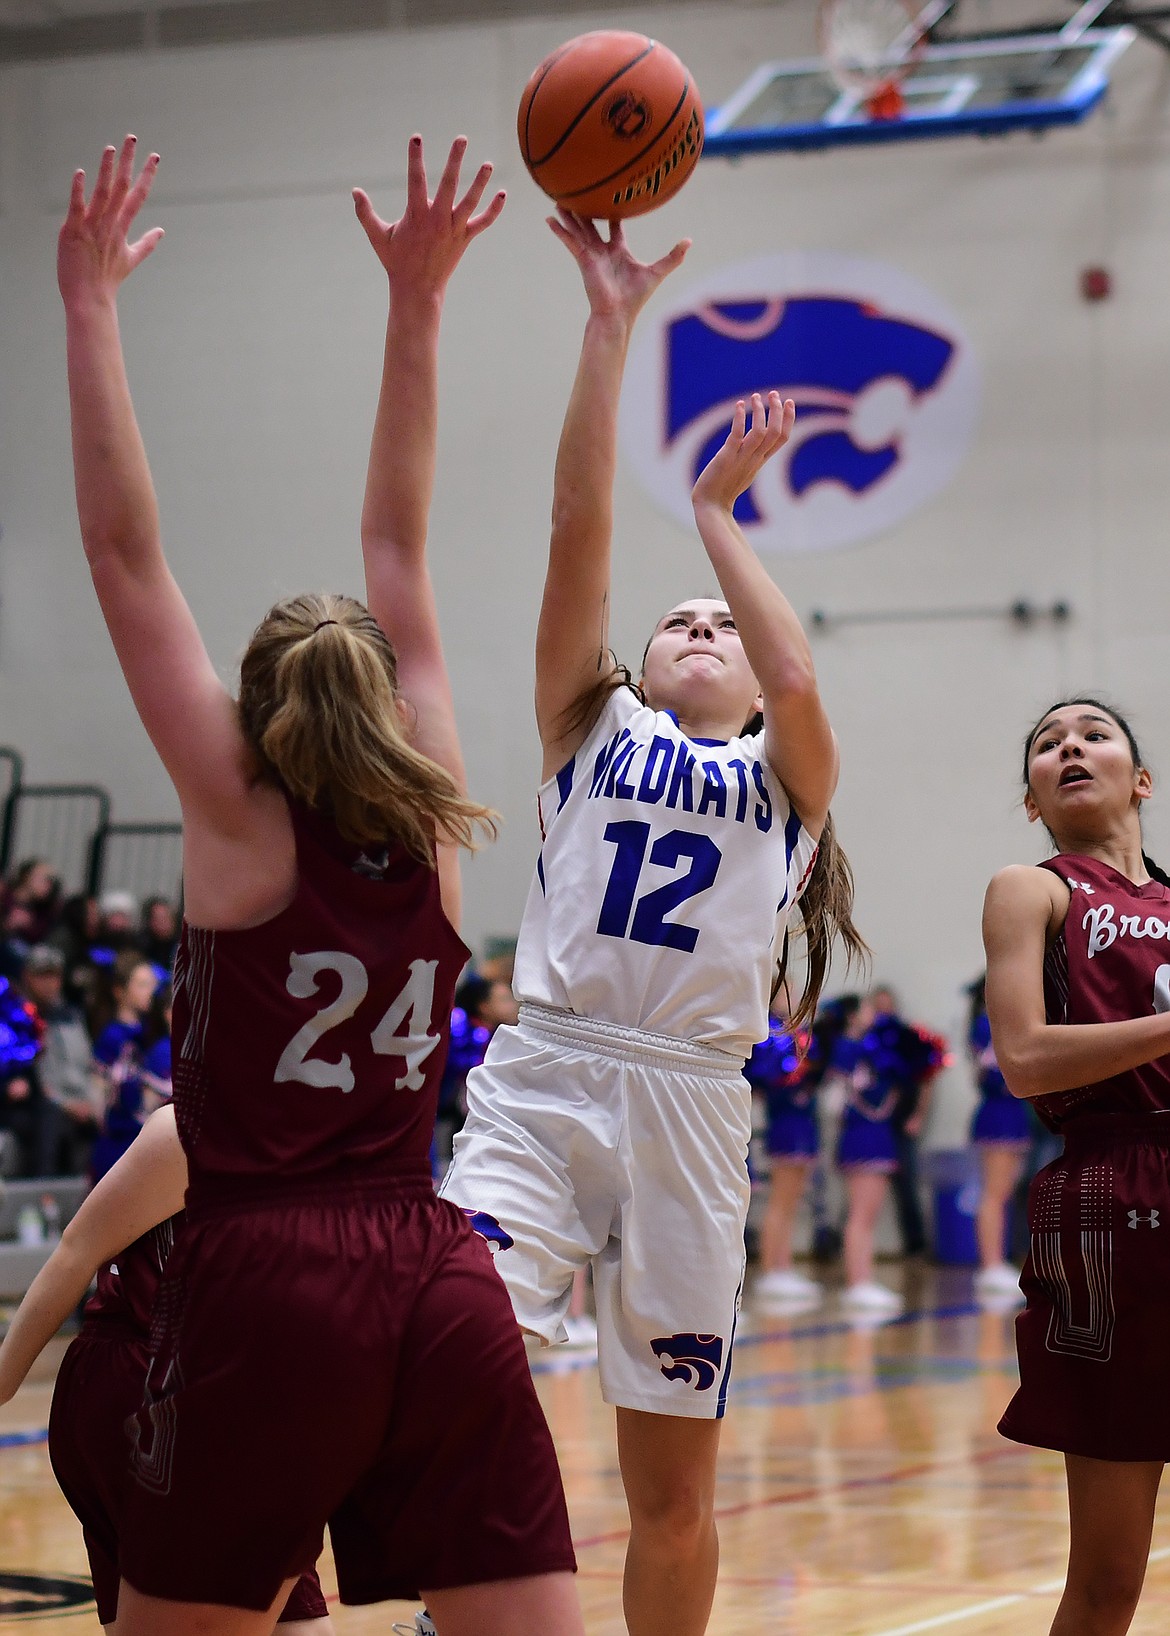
668,869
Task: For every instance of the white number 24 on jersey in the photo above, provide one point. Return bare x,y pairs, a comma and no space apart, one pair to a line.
412,1007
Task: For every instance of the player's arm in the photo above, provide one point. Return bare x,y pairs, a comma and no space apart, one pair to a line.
1021,912
183,705
419,253
799,743
145,1187
572,637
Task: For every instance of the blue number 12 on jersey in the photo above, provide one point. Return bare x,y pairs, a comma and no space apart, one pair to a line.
645,921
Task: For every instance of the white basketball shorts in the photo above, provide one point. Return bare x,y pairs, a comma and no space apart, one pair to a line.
587,1142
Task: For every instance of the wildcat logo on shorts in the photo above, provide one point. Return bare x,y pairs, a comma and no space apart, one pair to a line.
885,383
489,1230
694,1359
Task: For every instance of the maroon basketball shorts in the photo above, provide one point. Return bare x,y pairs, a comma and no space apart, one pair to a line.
348,1362
1094,1338
99,1386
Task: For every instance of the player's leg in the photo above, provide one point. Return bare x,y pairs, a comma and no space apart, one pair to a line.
307,1627
1000,1164
1111,1517
866,1190
142,1615
668,1469
785,1191
547,1603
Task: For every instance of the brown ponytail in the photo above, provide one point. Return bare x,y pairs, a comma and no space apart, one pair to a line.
319,705
826,909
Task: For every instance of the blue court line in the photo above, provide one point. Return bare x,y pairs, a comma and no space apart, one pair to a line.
20,1440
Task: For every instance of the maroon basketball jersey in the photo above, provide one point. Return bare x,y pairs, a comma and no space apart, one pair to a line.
126,1287
308,1051
1110,962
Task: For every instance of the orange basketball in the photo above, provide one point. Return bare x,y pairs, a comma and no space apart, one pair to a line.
610,124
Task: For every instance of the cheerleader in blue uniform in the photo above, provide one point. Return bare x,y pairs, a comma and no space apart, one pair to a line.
784,1068
1000,1132
866,1148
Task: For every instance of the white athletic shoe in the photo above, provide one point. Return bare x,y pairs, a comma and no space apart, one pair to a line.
423,1625
787,1285
581,1333
1002,1279
872,1297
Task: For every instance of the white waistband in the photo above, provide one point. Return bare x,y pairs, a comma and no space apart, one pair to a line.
629,1044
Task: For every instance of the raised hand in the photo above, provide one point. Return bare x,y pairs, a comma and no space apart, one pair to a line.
617,284
422,249
735,467
94,252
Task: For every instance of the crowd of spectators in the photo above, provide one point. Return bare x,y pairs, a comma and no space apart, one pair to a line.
84,1022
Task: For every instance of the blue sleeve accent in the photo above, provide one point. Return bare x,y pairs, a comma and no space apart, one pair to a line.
540,872
792,831
565,782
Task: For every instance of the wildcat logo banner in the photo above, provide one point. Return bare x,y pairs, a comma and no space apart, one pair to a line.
885,382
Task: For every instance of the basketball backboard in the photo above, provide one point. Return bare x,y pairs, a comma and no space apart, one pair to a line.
973,87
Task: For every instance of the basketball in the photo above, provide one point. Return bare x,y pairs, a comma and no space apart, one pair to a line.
610,124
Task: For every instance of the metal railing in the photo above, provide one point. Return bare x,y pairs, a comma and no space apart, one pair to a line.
71,827
145,859
57,822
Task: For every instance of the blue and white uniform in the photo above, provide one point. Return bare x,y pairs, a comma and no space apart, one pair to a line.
611,1124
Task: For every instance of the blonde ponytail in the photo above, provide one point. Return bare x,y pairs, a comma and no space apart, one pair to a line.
319,705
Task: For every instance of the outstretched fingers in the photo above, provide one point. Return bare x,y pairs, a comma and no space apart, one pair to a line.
100,197
417,197
667,264
449,180
469,203
138,194
375,228
487,216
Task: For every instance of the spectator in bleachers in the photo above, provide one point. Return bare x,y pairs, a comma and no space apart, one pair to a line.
158,935
156,1047
118,1022
119,921
66,1069
22,1101
76,936
35,890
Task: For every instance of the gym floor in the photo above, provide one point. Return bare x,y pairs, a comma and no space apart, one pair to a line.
864,1490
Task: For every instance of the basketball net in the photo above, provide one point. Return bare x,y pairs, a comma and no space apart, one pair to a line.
869,47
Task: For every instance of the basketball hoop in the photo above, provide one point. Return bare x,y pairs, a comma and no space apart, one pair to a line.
869,47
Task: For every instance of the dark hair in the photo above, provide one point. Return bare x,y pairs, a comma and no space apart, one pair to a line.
1152,869
826,913
977,1000
110,981
472,993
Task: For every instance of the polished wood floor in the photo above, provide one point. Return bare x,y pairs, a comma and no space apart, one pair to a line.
863,1488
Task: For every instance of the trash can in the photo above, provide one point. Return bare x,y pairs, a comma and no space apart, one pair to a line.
955,1190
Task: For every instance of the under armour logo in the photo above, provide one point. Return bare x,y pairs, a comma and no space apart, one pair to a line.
1150,1221
1081,886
